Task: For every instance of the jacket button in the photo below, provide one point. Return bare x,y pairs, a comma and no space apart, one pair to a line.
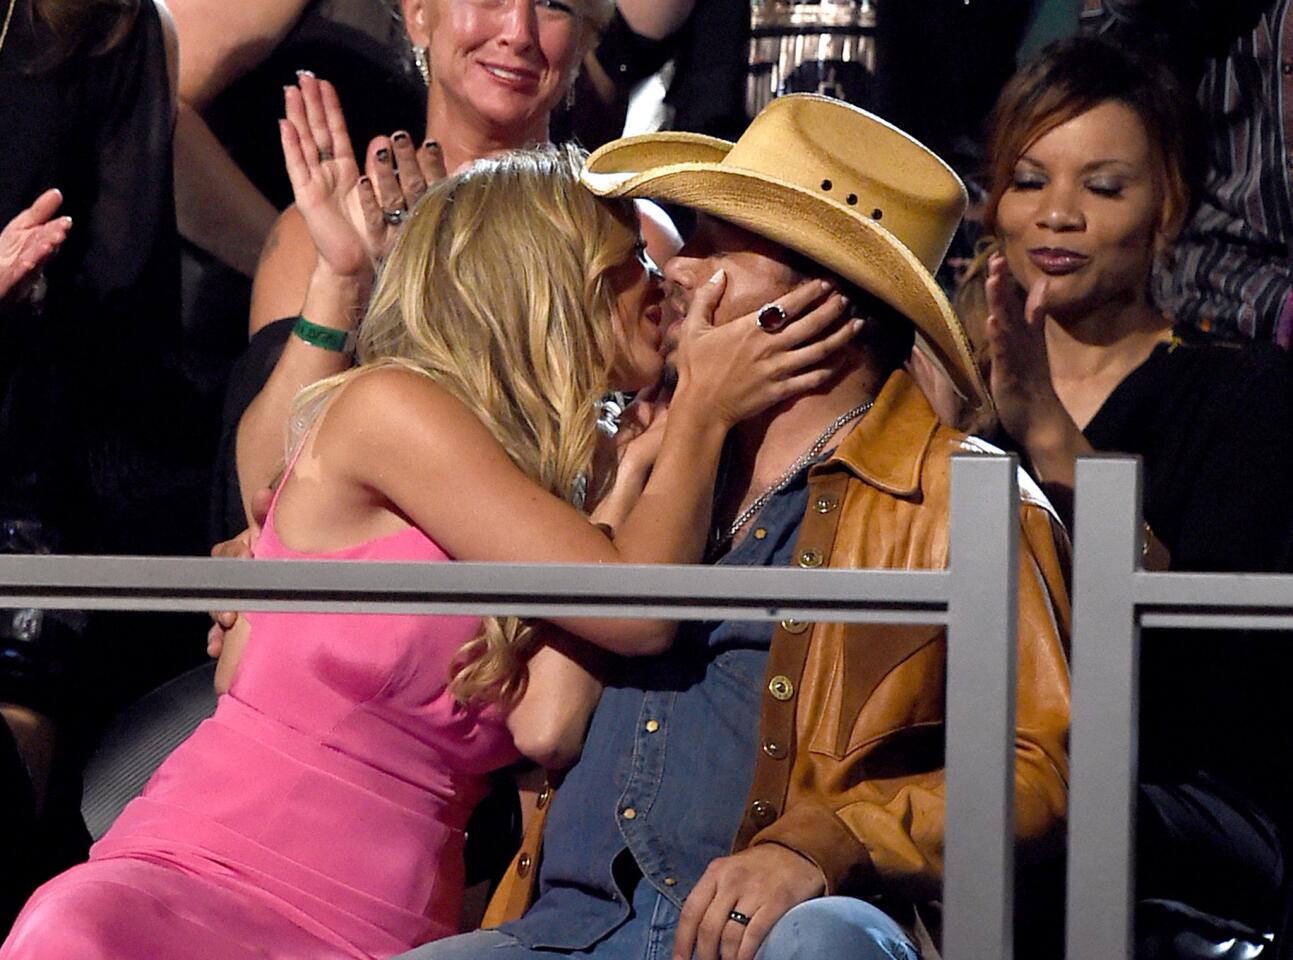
544,796
795,626
630,813
523,865
826,503
763,812
781,687
652,726
811,558
773,749
670,881
760,533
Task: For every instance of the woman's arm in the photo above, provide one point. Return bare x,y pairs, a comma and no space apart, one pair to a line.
1027,404
440,467
548,723
217,207
655,19
1020,380
352,233
331,301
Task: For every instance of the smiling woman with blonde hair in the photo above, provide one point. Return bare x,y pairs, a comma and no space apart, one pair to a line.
1090,164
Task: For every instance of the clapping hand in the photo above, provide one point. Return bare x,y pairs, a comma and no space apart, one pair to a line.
396,176
1020,378
352,219
321,166
27,242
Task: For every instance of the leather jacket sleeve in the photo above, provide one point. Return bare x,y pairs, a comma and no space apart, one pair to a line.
868,808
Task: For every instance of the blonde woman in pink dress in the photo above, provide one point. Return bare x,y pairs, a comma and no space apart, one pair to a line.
319,814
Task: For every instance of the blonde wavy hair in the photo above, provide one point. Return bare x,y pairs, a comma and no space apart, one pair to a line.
498,290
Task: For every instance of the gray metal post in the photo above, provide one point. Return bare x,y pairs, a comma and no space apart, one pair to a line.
1106,640
982,637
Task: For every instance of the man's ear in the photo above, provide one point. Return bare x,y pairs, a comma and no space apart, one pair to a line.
417,21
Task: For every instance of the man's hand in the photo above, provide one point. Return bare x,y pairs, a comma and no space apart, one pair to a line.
762,883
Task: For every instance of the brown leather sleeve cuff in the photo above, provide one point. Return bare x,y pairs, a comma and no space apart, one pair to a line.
813,831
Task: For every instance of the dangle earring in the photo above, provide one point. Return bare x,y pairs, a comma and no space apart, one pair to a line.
422,59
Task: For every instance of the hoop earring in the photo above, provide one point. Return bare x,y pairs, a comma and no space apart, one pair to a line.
422,59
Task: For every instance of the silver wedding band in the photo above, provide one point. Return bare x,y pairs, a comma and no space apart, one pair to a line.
395,217
737,915
771,317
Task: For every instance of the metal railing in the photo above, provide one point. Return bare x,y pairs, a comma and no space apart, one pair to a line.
975,597
1112,599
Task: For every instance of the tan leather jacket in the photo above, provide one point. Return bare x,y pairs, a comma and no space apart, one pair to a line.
850,774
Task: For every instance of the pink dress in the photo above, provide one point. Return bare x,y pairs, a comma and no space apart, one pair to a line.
318,814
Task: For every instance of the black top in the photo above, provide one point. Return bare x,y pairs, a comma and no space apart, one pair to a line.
94,422
1213,423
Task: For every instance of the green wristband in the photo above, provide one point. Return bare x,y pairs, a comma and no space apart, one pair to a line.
325,338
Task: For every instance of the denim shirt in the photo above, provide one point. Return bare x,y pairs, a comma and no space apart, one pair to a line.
666,766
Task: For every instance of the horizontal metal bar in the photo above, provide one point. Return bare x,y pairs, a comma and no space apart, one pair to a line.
1190,591
1223,619
655,591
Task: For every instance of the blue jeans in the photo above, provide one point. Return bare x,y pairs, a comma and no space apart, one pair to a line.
829,928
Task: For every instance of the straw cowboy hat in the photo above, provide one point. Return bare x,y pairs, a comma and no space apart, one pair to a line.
831,182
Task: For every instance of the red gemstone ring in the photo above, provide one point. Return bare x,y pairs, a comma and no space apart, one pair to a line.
771,317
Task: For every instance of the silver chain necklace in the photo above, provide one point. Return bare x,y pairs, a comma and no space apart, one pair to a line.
758,503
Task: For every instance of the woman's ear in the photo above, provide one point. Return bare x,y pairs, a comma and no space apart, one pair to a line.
417,21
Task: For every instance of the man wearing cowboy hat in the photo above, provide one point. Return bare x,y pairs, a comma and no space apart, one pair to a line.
780,789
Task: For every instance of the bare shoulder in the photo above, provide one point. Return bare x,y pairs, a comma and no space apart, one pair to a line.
396,409
283,273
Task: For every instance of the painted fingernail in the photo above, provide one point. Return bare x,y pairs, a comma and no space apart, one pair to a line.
305,73
365,181
844,301
857,324
400,136
718,276
431,145
383,155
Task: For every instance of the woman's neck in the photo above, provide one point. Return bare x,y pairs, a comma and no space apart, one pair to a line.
1091,354
465,138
